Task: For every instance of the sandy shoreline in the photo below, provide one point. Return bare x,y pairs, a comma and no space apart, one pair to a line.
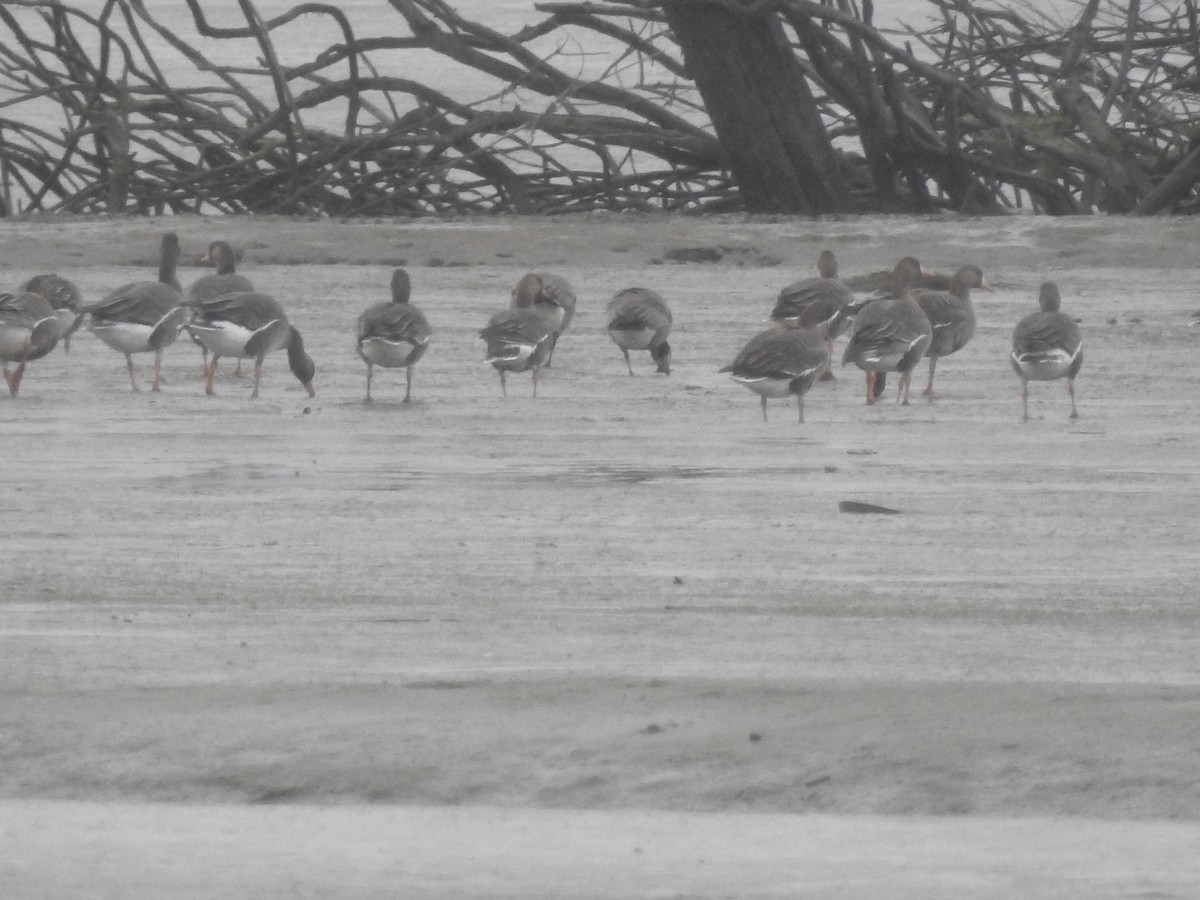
630,598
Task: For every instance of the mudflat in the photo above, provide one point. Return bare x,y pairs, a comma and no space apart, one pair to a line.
626,608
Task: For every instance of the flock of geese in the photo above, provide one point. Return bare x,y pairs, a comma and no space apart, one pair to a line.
908,315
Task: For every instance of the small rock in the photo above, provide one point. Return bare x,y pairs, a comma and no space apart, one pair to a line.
854,506
695,254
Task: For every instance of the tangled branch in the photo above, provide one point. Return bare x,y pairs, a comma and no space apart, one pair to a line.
987,106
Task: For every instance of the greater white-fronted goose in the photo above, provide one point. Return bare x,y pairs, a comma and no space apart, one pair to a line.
552,296
395,334
952,315
64,298
890,334
1047,345
144,316
637,318
783,360
29,329
225,280
252,325
518,340
827,298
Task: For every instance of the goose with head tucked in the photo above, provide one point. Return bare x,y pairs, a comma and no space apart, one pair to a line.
394,334
226,280
1047,345
64,298
890,334
252,325
951,314
144,316
555,300
29,329
783,360
638,318
520,339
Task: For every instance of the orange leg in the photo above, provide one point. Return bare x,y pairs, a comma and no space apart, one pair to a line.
928,392
157,371
129,367
210,375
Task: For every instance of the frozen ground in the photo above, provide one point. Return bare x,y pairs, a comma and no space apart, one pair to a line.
574,646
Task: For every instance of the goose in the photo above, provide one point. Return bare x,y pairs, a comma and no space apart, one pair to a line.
906,274
828,297
783,360
1047,345
890,334
225,280
249,324
556,301
29,329
394,334
65,299
952,315
144,316
520,339
638,319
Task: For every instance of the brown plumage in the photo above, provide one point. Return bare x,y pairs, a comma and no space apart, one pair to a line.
225,280
827,297
29,329
64,298
639,319
144,316
251,325
395,334
520,339
951,314
890,334
553,297
1047,345
782,360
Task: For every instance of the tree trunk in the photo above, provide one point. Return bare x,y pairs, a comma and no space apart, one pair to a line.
761,106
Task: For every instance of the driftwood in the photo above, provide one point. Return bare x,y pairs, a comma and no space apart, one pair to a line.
984,106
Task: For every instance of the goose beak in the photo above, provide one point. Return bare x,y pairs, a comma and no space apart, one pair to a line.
308,386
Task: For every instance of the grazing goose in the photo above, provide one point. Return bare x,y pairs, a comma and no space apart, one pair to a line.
64,298
518,340
29,329
225,280
144,316
394,334
638,319
556,301
890,334
783,360
1047,345
951,314
251,325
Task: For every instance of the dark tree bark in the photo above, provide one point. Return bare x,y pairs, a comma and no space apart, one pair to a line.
761,106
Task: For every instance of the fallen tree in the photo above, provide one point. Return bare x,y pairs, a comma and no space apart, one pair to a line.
760,105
